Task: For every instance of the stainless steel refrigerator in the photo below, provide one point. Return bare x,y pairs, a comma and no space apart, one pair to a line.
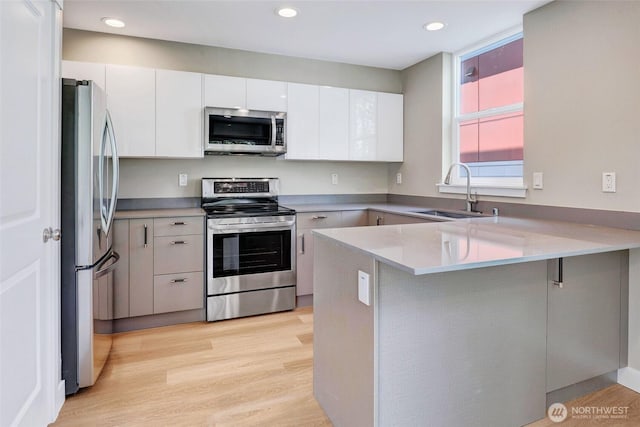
89,168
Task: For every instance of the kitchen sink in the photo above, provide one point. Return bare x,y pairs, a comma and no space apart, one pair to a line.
449,214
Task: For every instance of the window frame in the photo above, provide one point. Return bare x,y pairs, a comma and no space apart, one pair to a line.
496,186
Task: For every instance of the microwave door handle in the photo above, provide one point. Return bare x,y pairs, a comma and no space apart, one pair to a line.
273,131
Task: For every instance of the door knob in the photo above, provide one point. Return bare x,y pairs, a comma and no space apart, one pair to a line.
49,233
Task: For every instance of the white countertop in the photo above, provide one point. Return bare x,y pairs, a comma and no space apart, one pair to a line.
474,243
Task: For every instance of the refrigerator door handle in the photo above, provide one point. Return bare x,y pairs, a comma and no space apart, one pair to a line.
101,270
106,214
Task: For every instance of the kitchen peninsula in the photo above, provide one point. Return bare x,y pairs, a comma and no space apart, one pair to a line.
480,322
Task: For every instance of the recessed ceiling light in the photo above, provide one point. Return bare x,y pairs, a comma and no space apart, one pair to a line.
434,26
287,12
113,22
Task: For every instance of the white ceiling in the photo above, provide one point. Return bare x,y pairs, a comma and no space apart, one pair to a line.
386,34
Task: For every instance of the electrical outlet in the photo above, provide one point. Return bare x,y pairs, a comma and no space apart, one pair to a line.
363,288
399,178
334,178
182,180
608,182
537,181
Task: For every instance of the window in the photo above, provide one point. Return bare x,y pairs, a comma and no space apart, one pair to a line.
488,113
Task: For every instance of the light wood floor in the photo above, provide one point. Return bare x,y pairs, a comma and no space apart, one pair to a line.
252,371
255,371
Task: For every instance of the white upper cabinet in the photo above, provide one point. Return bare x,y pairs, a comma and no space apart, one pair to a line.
131,101
178,114
225,91
84,71
363,125
238,92
303,122
266,95
333,137
390,127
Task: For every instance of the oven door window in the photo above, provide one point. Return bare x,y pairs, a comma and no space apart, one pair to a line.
239,130
249,253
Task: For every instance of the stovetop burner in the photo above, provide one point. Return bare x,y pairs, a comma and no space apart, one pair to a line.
238,197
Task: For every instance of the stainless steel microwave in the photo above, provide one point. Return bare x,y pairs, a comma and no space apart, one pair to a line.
240,131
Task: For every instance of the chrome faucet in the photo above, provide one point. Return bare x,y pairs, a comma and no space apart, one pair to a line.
471,200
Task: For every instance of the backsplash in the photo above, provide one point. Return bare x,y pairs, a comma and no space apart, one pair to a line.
158,178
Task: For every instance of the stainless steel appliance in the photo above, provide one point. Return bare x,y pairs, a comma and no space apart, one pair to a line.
240,131
89,178
251,264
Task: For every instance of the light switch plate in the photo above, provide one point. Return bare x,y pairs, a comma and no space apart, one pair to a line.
399,178
334,178
537,181
182,179
363,288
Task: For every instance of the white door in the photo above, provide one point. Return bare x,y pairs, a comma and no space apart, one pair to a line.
29,193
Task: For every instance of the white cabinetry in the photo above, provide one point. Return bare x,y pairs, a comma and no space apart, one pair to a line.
238,92
84,71
178,114
303,122
131,101
333,137
390,127
225,91
363,124
267,95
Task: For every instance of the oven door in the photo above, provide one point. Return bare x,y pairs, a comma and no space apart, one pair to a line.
243,257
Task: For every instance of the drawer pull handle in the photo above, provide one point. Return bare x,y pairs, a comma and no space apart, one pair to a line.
145,235
302,244
178,242
179,280
319,217
179,223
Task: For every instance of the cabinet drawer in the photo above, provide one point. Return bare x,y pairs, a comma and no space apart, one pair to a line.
175,292
318,220
177,226
174,254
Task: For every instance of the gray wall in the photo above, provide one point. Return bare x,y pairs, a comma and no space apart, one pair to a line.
582,100
159,178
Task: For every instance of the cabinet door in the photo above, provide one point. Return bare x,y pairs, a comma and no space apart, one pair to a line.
225,91
363,126
304,263
302,122
178,114
121,273
84,71
132,103
390,127
176,292
354,218
333,133
140,267
268,95
583,326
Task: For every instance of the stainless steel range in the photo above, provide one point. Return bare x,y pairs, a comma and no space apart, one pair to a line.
250,248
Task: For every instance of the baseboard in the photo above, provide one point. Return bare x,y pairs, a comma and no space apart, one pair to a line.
629,378
582,388
58,400
304,300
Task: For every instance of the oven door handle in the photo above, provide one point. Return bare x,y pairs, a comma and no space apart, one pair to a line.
228,229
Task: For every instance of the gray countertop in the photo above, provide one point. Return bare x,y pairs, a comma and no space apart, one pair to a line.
158,213
479,242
